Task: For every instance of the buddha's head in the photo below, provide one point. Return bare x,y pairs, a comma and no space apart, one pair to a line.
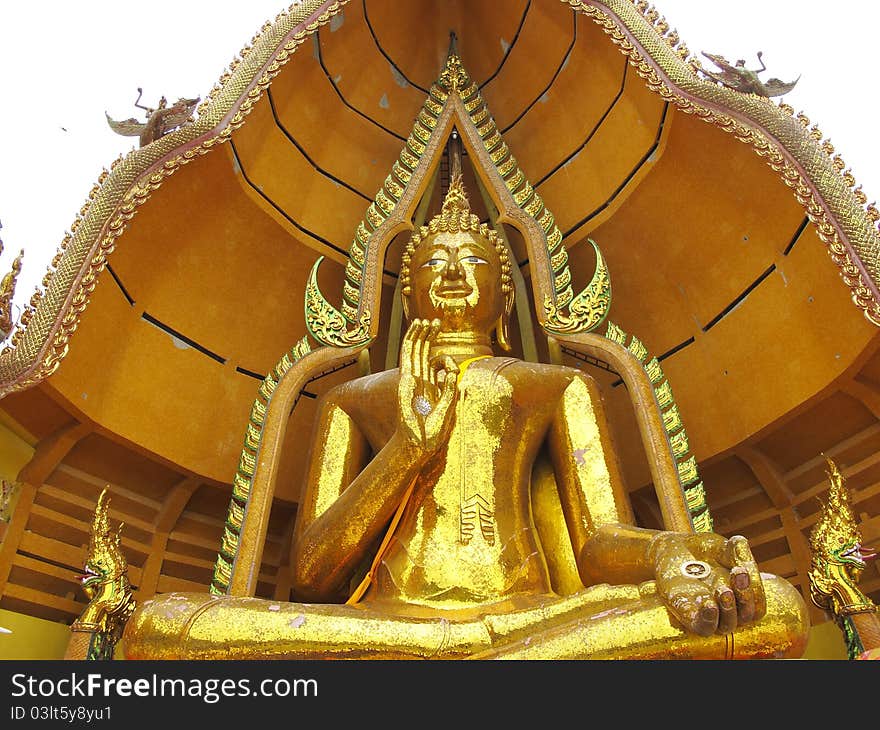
457,270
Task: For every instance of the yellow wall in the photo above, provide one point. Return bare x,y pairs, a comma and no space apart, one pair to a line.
31,638
825,642
15,452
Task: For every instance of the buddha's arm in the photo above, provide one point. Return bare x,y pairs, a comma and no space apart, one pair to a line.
348,501
609,548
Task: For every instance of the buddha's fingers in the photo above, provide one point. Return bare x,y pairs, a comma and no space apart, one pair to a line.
447,369
428,374
406,349
727,605
447,395
695,607
741,583
442,369
746,578
421,330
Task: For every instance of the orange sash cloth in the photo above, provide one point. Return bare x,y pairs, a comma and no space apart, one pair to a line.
368,578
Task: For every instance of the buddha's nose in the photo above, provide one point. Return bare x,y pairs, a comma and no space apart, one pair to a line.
452,270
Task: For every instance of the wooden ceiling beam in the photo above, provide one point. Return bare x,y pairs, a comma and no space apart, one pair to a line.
196,540
848,472
738,525
166,518
819,460
39,598
115,489
801,556
768,474
47,456
174,504
185,559
867,394
718,504
51,450
44,568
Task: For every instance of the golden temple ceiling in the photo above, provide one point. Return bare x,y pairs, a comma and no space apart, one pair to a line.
719,261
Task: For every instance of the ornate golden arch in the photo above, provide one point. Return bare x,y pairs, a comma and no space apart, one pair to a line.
790,144
454,102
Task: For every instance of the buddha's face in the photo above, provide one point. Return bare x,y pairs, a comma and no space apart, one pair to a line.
456,278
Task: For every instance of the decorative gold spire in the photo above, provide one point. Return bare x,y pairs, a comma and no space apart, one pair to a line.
104,550
839,558
7,291
455,205
105,582
453,76
837,525
838,555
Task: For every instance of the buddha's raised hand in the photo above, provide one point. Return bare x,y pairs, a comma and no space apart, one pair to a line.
426,391
711,584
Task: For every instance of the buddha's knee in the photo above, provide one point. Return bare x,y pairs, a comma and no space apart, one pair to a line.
645,629
783,631
158,628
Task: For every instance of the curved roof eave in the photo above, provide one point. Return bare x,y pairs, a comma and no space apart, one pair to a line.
788,143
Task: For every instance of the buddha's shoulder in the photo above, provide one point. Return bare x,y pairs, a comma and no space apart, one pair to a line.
356,388
522,370
514,370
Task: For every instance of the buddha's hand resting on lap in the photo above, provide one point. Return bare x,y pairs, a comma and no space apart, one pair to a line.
427,391
711,584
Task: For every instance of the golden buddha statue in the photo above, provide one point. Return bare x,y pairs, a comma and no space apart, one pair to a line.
418,532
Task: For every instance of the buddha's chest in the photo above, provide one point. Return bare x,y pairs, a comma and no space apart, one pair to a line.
497,409
477,487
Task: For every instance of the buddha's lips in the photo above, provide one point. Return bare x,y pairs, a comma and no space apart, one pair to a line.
454,291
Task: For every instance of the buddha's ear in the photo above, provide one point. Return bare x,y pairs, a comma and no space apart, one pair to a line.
404,301
502,337
502,333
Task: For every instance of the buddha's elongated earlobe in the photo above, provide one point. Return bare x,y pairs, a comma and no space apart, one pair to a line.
404,302
501,333
502,328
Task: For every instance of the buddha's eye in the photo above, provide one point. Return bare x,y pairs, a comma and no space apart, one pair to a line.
473,260
433,263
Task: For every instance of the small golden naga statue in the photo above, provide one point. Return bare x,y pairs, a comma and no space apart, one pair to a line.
839,558
419,535
160,121
8,493
739,78
7,292
96,632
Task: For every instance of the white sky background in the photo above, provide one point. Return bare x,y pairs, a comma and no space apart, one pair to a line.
63,64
